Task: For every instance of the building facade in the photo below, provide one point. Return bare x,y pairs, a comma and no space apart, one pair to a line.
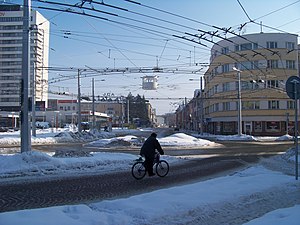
252,68
11,35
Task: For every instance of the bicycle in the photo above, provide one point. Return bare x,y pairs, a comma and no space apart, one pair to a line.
138,170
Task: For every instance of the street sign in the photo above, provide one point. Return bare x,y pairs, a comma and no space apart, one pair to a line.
292,83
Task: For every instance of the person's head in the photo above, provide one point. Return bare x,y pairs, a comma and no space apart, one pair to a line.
153,135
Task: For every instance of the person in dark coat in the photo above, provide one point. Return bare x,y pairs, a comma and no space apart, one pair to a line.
148,151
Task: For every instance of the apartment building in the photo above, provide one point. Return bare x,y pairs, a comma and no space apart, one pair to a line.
261,63
244,87
11,35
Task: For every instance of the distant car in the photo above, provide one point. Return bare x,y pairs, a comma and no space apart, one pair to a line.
3,129
176,129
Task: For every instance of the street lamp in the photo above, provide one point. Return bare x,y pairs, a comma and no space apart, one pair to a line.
56,119
239,101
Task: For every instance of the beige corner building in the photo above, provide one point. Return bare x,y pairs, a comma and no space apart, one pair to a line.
262,63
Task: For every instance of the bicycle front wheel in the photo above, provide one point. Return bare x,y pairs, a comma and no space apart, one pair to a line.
162,168
138,170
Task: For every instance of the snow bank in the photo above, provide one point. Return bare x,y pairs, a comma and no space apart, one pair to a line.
175,140
36,164
181,139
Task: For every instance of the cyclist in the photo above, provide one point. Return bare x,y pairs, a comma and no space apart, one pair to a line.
148,151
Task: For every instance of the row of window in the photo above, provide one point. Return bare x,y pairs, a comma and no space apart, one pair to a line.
9,99
15,56
247,105
9,77
10,92
19,41
36,49
15,34
11,19
16,41
256,126
253,65
254,46
8,49
67,108
11,27
14,70
11,63
9,85
245,85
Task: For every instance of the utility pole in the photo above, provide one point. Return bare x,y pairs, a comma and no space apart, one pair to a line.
239,102
33,97
93,105
128,111
201,105
25,122
79,102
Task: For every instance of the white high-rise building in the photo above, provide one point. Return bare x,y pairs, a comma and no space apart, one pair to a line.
11,35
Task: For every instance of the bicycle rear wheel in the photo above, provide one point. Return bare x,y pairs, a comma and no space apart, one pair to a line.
138,170
162,168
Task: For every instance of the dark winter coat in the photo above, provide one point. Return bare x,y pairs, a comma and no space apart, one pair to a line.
149,147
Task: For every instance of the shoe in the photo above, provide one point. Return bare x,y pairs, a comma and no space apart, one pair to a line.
152,174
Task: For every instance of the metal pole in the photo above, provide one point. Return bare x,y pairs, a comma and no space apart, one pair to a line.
93,105
25,123
201,104
123,113
296,130
33,114
79,102
239,105
287,123
128,111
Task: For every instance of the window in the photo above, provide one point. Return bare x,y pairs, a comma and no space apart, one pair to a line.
257,126
271,44
246,85
226,87
254,65
226,106
290,64
272,64
225,50
216,88
273,126
273,83
246,46
250,105
273,104
216,107
290,105
290,45
225,68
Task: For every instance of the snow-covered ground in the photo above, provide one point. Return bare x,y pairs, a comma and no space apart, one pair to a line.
222,200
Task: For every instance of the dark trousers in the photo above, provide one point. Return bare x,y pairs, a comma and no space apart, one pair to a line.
149,164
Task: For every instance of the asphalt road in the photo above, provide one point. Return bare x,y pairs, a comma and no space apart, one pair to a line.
91,188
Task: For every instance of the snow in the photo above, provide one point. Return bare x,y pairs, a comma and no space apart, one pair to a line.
206,202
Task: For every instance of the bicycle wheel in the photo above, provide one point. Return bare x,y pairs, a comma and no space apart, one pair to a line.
138,170
162,168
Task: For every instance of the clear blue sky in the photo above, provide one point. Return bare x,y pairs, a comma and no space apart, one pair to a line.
125,42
